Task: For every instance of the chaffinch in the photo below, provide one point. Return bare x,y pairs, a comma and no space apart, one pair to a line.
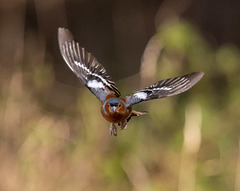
93,75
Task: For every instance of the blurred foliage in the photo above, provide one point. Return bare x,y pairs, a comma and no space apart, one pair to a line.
54,140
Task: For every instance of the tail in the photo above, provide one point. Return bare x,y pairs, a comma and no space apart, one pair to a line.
136,113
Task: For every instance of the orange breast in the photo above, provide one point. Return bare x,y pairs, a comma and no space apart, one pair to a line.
120,115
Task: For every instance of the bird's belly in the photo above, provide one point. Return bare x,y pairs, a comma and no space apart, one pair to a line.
117,117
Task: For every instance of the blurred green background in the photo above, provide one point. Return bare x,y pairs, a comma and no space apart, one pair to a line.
52,134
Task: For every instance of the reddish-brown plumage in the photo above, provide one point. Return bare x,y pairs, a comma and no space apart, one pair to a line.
120,115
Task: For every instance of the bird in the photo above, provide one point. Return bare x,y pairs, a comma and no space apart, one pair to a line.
94,76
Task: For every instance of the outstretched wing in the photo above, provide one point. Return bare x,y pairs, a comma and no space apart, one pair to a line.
85,66
165,88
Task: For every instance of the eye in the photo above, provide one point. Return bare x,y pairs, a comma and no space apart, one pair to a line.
120,105
108,105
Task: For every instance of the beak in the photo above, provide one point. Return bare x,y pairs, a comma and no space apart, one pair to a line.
113,109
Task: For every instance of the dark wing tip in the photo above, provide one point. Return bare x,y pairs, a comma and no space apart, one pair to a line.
64,35
195,77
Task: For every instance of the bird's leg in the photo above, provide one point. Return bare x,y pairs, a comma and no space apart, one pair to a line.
113,129
124,125
128,119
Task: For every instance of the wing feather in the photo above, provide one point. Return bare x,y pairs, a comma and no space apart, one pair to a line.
85,66
165,88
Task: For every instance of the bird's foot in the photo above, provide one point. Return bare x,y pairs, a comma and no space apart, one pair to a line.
123,125
113,129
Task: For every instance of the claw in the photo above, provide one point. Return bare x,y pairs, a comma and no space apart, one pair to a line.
124,125
113,129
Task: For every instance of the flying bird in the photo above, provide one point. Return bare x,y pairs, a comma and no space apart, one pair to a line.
94,76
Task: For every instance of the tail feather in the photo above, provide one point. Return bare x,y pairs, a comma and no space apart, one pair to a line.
138,113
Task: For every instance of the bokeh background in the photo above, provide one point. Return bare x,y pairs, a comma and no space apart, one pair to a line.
52,134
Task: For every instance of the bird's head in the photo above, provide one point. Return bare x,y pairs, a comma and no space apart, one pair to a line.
115,105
